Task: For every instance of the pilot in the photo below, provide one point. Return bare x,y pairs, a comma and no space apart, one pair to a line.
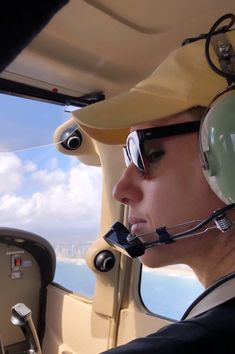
178,126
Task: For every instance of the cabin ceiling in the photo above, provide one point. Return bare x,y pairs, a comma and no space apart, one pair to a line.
110,45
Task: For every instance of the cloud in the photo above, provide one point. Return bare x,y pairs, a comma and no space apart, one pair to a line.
62,204
11,176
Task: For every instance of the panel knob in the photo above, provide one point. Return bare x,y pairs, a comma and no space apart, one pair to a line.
104,261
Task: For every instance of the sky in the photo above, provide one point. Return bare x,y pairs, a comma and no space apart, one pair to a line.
28,123
42,190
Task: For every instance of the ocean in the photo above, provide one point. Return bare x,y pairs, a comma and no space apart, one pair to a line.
167,294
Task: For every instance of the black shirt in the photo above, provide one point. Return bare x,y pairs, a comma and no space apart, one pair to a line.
207,326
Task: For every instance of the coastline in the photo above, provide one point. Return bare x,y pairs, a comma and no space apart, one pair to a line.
172,270
77,261
178,270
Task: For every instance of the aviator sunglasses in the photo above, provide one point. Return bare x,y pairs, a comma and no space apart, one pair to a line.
134,150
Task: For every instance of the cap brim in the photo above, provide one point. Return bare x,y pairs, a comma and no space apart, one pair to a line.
109,121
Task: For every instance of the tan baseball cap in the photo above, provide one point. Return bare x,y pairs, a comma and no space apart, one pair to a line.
183,80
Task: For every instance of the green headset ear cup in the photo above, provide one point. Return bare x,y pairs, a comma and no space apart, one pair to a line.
211,163
217,144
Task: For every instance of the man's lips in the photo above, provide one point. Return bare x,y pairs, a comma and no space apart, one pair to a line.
138,225
135,220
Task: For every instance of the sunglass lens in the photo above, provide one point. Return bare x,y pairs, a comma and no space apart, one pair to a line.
135,154
127,157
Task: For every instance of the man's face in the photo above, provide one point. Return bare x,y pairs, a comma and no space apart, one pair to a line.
173,191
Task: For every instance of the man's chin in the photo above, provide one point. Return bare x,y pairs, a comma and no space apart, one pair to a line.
156,257
150,259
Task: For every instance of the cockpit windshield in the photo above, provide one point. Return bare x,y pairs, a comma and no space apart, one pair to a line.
27,123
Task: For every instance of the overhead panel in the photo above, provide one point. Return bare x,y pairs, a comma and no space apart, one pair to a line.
110,45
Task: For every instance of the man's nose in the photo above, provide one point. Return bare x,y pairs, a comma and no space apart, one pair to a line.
128,188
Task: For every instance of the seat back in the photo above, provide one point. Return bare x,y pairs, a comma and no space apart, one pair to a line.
27,266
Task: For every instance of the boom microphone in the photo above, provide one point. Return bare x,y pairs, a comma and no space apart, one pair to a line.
131,245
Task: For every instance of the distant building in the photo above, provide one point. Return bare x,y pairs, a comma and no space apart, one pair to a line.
71,250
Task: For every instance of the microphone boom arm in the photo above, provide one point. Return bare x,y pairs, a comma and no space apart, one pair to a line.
131,245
